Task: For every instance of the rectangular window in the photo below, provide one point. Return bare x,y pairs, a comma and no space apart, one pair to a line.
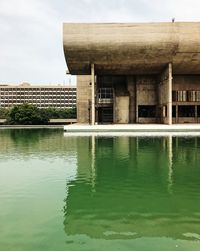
197,96
147,111
105,93
191,96
198,111
186,111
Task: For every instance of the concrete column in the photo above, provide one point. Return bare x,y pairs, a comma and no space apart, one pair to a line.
83,100
93,95
131,89
196,114
165,95
169,105
136,101
176,119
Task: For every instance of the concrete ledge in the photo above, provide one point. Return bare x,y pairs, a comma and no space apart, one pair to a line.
150,128
62,121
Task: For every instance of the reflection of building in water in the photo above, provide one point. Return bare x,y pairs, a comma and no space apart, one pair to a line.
134,192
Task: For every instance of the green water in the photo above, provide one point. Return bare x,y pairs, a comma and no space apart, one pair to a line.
98,193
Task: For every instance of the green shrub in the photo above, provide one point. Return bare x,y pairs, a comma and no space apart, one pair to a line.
55,113
4,113
27,114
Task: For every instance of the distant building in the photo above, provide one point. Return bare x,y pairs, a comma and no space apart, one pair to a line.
135,72
41,96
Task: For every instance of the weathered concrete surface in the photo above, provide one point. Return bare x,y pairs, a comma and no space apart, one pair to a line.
186,82
131,86
132,48
84,95
146,90
165,95
121,112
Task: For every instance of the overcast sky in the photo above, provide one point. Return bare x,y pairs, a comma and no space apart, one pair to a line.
31,47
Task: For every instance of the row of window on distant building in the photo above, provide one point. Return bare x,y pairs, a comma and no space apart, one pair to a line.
43,97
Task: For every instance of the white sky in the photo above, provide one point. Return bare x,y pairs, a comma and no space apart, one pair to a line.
31,48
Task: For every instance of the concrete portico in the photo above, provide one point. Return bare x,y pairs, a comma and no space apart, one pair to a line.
135,73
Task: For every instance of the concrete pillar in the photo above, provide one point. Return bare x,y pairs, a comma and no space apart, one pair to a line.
132,94
93,95
196,114
83,100
165,95
176,119
136,101
169,105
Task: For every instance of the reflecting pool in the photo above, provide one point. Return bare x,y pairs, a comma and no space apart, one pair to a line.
98,193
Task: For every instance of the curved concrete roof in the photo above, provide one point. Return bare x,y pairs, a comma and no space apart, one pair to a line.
132,48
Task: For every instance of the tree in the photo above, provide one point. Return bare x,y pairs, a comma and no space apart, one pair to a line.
55,113
27,114
4,113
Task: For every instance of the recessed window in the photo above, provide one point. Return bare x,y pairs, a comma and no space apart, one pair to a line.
186,111
174,111
147,111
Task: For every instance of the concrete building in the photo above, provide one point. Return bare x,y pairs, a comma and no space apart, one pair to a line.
135,73
42,96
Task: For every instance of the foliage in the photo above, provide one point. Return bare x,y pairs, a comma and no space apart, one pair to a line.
27,114
55,113
4,113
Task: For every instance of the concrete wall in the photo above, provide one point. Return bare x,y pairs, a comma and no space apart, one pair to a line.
83,98
121,110
146,94
186,82
146,90
165,95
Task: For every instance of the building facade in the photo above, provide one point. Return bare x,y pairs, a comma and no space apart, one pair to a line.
135,73
42,96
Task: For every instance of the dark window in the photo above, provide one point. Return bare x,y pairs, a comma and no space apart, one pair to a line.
186,111
174,96
147,111
198,111
174,111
